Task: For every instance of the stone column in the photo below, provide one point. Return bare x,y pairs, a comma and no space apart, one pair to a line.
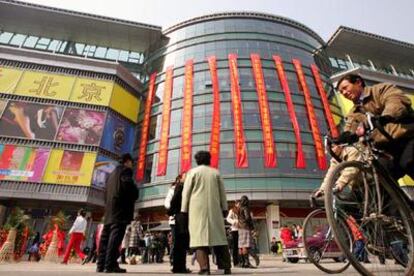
273,220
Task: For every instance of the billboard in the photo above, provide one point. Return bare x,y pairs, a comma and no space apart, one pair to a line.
81,126
8,79
104,166
30,120
119,135
22,163
3,104
125,103
70,167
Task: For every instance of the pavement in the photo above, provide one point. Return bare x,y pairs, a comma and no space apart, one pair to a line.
269,265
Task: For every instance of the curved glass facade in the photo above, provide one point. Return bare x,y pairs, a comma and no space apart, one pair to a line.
241,34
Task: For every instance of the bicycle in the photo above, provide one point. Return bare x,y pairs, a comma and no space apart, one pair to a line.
319,243
379,208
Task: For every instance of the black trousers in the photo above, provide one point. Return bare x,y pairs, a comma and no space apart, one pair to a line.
222,257
111,238
235,247
181,244
403,161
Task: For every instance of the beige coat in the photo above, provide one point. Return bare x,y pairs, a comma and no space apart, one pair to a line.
204,199
383,99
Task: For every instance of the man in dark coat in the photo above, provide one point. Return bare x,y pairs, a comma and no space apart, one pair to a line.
120,195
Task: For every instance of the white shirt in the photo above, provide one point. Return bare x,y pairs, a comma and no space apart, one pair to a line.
79,226
167,204
233,220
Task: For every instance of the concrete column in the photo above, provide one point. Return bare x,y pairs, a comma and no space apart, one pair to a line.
273,220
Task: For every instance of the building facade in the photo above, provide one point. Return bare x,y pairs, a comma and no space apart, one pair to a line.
70,95
247,86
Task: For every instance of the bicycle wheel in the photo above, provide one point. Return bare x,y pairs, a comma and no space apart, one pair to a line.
383,241
320,245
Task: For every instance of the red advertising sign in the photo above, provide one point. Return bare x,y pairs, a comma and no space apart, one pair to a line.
241,150
145,128
187,126
268,142
320,153
215,126
165,123
325,102
300,158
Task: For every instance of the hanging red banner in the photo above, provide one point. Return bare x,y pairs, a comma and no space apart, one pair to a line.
300,158
325,101
241,150
165,123
187,119
215,125
145,129
320,153
267,130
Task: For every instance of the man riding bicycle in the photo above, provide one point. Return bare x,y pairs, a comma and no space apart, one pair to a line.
394,122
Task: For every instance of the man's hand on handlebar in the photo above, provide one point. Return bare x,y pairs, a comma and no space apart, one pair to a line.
345,137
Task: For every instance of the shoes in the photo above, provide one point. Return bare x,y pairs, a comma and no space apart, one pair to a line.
256,259
99,270
181,271
227,271
204,272
115,270
64,262
84,261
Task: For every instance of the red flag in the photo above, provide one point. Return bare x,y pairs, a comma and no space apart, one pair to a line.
187,119
215,126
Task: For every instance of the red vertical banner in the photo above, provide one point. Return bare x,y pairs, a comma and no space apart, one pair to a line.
215,126
320,153
165,123
187,119
325,101
145,128
241,150
268,141
300,158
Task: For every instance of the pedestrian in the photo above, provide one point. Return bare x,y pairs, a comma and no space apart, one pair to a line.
135,237
93,253
273,246
171,219
182,238
125,244
120,196
245,228
77,235
204,199
34,248
234,230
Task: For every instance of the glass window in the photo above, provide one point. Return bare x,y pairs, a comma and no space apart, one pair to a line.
5,37
79,47
42,43
17,40
100,52
123,55
54,45
112,54
30,42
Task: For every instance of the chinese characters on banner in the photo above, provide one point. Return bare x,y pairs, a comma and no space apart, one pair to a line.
187,121
268,141
145,128
241,150
300,158
165,124
215,126
325,102
320,153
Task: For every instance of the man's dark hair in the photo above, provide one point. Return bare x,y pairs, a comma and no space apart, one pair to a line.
203,158
82,212
352,78
125,158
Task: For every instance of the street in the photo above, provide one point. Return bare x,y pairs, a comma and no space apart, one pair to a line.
270,265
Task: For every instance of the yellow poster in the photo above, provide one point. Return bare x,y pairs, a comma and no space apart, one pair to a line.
9,79
125,103
42,85
70,167
92,91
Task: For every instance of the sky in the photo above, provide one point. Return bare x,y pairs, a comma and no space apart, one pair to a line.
389,18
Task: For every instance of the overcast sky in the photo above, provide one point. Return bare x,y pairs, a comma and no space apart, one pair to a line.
390,18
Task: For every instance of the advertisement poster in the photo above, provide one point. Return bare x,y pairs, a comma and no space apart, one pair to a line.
70,167
81,126
3,104
30,120
119,135
22,163
104,166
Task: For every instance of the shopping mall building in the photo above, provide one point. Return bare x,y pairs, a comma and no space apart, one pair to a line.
77,90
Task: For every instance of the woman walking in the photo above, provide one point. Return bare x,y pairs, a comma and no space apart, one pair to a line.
245,228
